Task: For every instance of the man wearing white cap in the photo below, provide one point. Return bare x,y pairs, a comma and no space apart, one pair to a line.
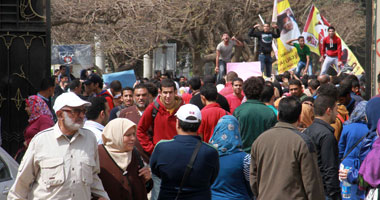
61,162
185,159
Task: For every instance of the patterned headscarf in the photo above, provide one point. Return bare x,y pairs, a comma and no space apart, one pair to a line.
38,107
358,115
226,138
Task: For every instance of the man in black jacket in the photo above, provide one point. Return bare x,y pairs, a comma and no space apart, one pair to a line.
322,134
265,45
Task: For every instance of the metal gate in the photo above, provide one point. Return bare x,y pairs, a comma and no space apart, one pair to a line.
24,61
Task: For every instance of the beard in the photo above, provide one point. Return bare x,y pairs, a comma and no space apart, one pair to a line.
70,124
141,105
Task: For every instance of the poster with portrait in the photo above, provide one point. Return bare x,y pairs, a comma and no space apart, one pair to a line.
287,55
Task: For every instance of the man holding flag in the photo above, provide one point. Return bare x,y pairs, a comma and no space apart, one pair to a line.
332,47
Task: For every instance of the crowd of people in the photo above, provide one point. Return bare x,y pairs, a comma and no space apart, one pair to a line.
289,136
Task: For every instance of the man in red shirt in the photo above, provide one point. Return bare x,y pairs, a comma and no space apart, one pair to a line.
234,99
332,47
211,113
228,88
166,105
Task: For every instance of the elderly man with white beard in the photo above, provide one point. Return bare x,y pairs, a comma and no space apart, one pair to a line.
61,162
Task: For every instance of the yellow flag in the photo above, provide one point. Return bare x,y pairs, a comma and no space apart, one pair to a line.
287,55
316,29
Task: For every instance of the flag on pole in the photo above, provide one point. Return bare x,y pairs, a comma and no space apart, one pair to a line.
315,31
287,55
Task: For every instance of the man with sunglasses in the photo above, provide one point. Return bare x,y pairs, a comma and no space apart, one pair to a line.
61,162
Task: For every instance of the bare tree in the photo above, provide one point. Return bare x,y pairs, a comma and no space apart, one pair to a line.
129,29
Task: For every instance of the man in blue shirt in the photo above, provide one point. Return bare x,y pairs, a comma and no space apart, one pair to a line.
170,158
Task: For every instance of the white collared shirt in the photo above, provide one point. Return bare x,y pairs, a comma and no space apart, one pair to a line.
55,167
96,128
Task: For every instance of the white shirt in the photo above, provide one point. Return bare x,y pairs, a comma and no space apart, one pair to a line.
55,167
96,128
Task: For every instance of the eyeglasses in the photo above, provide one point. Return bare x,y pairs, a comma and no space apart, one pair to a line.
75,111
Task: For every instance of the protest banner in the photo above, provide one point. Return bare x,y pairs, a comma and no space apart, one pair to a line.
287,55
245,69
316,29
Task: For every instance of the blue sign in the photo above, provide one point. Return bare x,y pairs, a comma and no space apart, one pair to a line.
127,78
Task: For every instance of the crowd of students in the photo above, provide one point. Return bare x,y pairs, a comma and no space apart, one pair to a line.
286,137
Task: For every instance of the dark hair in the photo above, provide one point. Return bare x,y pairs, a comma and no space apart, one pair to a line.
231,76
344,89
116,85
168,83
305,80
195,83
63,75
322,103
295,82
237,79
289,109
378,78
328,89
314,84
278,78
74,84
301,37
223,81
140,85
152,89
267,93
313,76
278,86
189,127
209,91
335,80
286,75
253,87
97,105
62,67
83,75
127,88
209,79
308,98
331,27
355,83
47,83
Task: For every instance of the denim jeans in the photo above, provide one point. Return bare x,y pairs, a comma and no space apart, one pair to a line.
266,63
156,187
302,65
222,70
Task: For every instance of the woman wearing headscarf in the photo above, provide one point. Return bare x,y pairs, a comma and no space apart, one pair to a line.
369,173
232,182
354,130
122,170
40,118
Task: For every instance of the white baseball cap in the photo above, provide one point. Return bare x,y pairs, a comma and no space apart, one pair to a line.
69,99
189,110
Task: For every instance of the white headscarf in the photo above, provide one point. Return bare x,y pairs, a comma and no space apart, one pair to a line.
113,140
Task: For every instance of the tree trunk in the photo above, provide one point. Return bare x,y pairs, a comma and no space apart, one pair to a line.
198,62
